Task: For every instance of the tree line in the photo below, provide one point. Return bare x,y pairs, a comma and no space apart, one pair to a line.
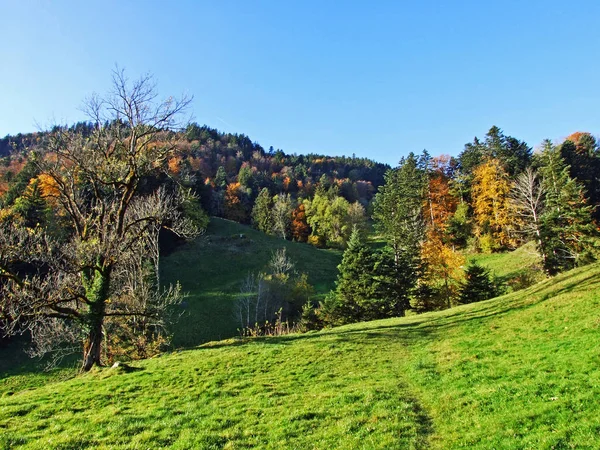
497,195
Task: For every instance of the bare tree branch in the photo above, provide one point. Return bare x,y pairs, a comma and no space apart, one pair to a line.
99,271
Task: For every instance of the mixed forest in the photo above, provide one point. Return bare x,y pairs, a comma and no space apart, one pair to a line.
87,211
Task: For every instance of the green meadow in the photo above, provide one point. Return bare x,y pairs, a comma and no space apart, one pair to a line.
212,268
518,371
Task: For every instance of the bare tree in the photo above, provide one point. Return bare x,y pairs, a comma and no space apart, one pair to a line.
246,305
97,184
282,215
269,296
527,198
280,263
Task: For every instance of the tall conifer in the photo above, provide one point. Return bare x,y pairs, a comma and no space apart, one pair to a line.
567,230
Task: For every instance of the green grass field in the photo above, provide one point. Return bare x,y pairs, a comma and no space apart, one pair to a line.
519,371
212,268
517,269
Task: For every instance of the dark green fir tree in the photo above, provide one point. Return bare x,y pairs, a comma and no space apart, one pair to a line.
478,285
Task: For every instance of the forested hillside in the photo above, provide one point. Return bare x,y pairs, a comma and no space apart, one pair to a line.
89,211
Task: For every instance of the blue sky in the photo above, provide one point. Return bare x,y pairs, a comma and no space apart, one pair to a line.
378,79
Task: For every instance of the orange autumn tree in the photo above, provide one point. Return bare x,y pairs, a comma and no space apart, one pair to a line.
300,228
575,138
443,265
440,203
234,208
174,164
9,170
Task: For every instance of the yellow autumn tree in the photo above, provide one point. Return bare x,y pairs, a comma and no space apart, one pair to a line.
443,270
492,207
49,188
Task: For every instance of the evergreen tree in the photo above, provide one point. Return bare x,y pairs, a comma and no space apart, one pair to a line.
514,157
262,217
471,156
398,207
580,152
355,287
32,206
221,178
19,183
566,227
394,283
246,177
478,285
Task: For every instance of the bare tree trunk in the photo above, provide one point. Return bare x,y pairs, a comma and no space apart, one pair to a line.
528,199
93,351
154,245
97,284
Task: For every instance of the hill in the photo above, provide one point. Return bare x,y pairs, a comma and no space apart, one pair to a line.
519,371
517,269
212,268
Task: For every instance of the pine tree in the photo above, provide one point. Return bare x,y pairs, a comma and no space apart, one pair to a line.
514,157
582,153
398,207
394,282
566,227
478,285
221,178
33,207
355,287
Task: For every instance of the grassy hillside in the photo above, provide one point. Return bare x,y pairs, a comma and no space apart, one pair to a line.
520,371
212,268
519,268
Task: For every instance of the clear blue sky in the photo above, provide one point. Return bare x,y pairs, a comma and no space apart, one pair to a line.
379,79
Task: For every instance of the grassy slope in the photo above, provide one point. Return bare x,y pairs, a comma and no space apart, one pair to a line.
511,264
520,371
212,269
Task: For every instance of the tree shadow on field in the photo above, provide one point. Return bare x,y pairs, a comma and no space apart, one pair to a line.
424,423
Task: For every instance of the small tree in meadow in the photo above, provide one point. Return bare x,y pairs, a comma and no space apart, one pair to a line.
478,285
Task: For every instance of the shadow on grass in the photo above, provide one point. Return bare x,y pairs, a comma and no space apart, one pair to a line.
423,421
